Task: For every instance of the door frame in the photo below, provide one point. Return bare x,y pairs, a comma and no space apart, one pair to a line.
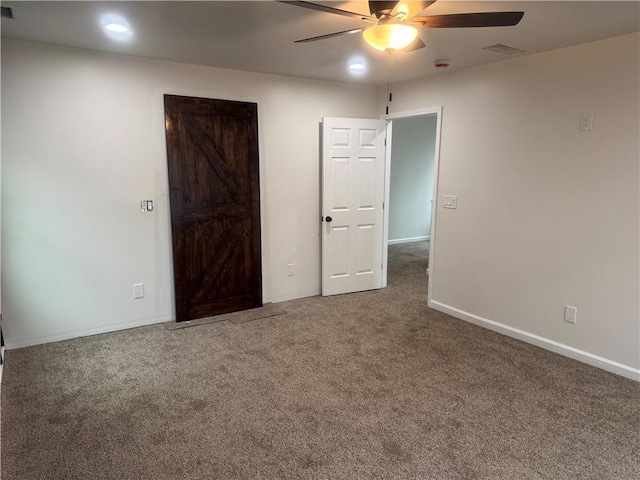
437,111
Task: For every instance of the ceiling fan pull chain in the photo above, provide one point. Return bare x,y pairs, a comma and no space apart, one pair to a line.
389,72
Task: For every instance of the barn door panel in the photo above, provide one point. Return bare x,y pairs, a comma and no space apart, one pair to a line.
212,154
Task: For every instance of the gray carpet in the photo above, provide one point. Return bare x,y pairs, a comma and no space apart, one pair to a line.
371,385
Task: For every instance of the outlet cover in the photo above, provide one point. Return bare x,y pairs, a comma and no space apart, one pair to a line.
138,290
570,314
586,122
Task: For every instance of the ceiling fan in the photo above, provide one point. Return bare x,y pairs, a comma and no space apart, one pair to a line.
393,25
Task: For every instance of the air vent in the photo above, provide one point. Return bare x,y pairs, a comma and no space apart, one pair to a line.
506,49
7,12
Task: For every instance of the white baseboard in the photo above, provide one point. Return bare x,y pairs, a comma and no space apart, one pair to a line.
29,342
409,240
547,344
295,296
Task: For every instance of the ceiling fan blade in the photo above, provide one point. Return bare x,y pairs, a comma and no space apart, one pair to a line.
410,8
331,35
379,8
458,20
324,8
416,45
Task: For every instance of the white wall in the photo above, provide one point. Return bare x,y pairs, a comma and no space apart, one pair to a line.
411,184
547,215
83,143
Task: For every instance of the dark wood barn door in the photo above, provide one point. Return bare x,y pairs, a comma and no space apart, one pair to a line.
212,154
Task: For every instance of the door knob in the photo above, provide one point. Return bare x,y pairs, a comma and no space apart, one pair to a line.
328,219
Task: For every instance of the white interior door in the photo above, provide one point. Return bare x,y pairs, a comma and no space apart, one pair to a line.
353,169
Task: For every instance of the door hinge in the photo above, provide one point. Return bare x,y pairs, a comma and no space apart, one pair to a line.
383,205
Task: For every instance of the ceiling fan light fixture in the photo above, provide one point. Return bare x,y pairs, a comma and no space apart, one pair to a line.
390,36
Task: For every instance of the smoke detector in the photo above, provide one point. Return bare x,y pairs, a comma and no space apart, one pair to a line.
441,64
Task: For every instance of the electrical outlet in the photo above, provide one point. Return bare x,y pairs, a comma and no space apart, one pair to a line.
138,290
291,269
570,314
586,122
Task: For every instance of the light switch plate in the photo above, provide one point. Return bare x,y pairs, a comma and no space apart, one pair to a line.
450,201
146,205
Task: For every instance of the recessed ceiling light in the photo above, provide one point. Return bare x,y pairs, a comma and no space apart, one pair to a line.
116,28
357,66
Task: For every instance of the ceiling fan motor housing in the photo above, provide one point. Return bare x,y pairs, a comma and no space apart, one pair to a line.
393,24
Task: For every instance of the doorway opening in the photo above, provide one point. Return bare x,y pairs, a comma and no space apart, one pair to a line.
411,182
357,157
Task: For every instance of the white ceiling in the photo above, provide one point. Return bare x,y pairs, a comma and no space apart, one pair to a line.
258,35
